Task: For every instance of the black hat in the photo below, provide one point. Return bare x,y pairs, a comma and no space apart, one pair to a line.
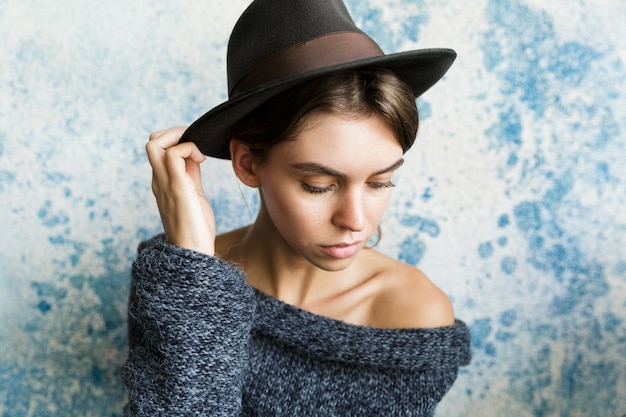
277,44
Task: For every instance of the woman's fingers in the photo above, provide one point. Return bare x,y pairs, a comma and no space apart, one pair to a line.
171,131
179,158
164,139
172,161
157,148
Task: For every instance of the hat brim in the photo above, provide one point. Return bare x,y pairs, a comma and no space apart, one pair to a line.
420,69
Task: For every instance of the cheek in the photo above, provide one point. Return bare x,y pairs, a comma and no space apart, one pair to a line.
286,207
294,214
376,207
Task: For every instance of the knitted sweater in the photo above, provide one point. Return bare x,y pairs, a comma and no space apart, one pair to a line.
205,343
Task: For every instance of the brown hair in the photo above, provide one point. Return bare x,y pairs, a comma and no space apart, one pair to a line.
355,93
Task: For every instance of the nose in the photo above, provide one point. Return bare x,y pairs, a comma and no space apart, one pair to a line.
350,212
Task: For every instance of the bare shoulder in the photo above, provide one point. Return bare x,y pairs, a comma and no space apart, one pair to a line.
407,298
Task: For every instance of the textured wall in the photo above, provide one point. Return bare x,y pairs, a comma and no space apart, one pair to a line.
512,201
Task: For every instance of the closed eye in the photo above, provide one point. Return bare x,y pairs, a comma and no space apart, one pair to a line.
381,185
316,190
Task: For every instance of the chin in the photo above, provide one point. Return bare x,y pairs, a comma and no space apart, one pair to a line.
332,265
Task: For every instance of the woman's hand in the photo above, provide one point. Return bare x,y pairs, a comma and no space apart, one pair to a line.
187,216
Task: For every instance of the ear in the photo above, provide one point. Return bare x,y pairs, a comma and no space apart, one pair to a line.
244,164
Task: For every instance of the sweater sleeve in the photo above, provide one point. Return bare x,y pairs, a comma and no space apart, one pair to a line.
189,322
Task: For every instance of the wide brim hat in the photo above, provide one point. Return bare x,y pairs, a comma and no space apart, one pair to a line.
278,44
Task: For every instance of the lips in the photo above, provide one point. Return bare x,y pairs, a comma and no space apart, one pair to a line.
342,250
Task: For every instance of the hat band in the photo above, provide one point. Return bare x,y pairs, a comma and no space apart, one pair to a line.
323,51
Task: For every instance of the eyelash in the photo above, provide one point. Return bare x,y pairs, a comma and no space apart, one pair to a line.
377,185
315,190
320,190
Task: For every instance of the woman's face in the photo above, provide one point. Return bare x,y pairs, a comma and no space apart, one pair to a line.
325,191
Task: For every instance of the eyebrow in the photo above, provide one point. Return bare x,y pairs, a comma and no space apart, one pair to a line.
323,170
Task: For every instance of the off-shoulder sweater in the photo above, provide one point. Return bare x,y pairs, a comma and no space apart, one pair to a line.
205,343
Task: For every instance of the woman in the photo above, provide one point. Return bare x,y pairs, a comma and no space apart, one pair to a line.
294,314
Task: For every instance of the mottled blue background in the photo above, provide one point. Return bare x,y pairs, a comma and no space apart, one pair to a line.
512,201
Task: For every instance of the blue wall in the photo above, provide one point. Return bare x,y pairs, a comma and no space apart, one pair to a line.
512,200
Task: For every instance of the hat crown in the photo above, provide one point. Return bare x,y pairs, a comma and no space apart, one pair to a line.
269,26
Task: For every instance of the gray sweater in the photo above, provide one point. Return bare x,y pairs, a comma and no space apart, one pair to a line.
205,343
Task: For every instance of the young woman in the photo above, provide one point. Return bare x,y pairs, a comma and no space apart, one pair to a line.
295,314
